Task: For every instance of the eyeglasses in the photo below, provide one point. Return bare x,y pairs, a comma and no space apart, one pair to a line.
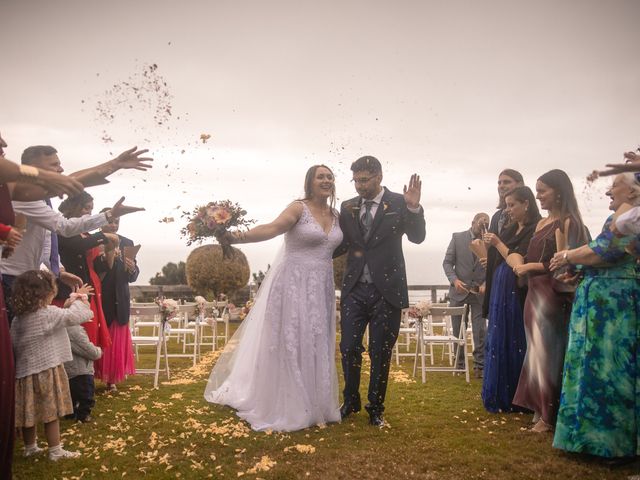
362,180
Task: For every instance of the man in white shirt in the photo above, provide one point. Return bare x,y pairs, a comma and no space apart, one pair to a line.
36,246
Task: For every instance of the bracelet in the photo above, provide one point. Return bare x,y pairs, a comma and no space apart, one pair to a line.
566,257
29,171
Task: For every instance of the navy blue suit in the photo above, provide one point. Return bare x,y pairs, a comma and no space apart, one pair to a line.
379,303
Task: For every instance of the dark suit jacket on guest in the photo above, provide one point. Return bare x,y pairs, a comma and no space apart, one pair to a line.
73,255
382,251
460,263
115,288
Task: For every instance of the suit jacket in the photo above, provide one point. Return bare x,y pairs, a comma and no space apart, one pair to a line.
115,288
73,255
382,251
460,263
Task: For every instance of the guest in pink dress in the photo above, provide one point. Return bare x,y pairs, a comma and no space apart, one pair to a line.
118,360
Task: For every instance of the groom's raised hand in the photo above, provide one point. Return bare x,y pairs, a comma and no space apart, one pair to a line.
412,193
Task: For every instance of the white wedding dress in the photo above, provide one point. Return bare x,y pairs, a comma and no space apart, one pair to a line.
279,370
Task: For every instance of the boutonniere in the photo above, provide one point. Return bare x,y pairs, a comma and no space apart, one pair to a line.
385,205
355,209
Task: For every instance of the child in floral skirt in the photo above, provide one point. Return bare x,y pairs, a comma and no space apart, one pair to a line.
41,346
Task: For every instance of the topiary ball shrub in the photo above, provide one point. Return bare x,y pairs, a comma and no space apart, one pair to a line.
209,274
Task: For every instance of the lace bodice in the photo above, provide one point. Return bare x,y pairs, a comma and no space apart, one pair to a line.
307,242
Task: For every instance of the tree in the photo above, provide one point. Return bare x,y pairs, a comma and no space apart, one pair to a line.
172,274
209,273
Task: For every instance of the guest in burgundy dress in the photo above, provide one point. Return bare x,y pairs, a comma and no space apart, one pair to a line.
546,311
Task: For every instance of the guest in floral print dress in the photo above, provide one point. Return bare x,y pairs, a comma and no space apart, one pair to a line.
599,406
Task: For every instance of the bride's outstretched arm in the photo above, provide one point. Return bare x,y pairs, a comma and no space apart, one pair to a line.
285,221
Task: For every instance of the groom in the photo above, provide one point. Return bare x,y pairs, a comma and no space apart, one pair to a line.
374,287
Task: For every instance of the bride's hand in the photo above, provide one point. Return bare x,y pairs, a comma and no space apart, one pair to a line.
227,238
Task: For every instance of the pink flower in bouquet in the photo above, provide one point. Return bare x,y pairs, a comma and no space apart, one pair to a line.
221,216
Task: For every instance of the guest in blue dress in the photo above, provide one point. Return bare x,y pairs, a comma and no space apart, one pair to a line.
506,343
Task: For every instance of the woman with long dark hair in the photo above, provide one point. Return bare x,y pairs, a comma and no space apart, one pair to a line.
507,181
546,311
506,344
278,370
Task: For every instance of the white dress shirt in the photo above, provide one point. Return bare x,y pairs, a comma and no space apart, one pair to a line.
41,220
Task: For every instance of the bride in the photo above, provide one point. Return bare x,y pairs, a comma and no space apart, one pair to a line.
278,370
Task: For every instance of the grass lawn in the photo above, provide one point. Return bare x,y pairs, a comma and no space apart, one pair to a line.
437,430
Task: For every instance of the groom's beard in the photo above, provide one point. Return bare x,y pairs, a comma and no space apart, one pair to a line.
369,193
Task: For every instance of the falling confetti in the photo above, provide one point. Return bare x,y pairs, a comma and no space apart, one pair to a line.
204,137
144,92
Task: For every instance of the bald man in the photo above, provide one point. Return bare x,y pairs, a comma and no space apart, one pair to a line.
467,276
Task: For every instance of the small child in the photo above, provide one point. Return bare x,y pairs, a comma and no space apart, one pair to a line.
41,346
80,372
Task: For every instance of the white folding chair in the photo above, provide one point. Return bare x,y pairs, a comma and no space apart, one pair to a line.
184,331
157,337
445,338
408,332
205,322
224,315
439,324
470,346
139,320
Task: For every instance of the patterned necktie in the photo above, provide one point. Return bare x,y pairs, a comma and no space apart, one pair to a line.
53,254
367,218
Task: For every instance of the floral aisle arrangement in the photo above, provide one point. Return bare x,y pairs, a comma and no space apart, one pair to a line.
200,306
214,220
245,310
420,309
168,310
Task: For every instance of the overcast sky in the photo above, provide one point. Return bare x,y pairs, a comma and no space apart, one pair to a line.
455,91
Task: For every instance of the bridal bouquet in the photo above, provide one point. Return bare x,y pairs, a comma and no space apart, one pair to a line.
214,220
168,309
